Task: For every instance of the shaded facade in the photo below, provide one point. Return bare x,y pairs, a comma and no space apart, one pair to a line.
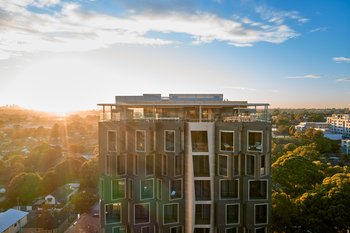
189,163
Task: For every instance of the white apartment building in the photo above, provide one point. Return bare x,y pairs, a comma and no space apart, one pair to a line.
340,123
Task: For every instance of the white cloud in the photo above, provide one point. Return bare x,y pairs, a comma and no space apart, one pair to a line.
307,76
347,79
72,29
319,29
279,17
341,59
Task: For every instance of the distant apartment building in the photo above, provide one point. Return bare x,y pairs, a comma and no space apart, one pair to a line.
187,163
340,123
345,145
315,125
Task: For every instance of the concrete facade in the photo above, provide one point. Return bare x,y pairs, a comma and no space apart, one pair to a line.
186,163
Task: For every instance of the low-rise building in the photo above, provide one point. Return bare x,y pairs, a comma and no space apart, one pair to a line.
345,145
315,125
12,220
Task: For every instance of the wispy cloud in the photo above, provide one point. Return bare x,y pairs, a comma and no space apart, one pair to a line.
346,79
307,76
319,29
341,59
278,16
70,28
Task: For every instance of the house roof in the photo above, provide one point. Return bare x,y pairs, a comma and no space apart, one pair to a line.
10,217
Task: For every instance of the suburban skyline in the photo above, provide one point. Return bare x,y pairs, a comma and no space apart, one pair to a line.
62,56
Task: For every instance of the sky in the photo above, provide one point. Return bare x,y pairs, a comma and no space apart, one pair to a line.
64,55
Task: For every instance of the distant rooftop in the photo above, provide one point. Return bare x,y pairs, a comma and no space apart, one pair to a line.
10,217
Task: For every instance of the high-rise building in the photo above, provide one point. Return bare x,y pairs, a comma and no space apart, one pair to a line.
187,163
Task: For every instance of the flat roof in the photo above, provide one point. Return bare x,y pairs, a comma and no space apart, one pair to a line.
10,217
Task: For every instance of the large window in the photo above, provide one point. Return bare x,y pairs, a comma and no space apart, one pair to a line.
169,145
231,230
178,165
250,164
258,189
263,165
113,213
177,229
171,213
118,189
142,213
201,230
121,165
136,165
159,189
232,214
222,165
112,140
227,140
235,165
199,141
261,230
202,190
261,214
147,189
119,229
255,141
202,214
176,189
229,189
164,165
150,164
140,140
201,165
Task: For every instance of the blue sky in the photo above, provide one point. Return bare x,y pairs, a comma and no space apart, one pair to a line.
61,55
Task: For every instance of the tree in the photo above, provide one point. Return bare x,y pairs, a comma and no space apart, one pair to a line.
25,186
326,208
43,157
89,174
284,211
83,201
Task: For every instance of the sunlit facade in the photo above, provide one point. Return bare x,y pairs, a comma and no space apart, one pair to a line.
187,163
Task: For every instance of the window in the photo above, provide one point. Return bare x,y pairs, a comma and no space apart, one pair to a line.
227,140
229,189
150,164
201,165
170,213
121,165
250,164
178,165
261,214
112,140
222,165
118,230
202,190
113,213
201,230
232,214
199,141
258,189
202,214
140,140
131,189
261,230
255,141
177,229
231,230
102,188
159,189
147,189
169,145
164,165
142,213
145,230
235,165
136,165
262,165
118,189
175,189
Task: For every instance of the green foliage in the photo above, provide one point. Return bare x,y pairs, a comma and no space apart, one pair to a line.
42,157
89,174
83,201
25,187
284,211
68,169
